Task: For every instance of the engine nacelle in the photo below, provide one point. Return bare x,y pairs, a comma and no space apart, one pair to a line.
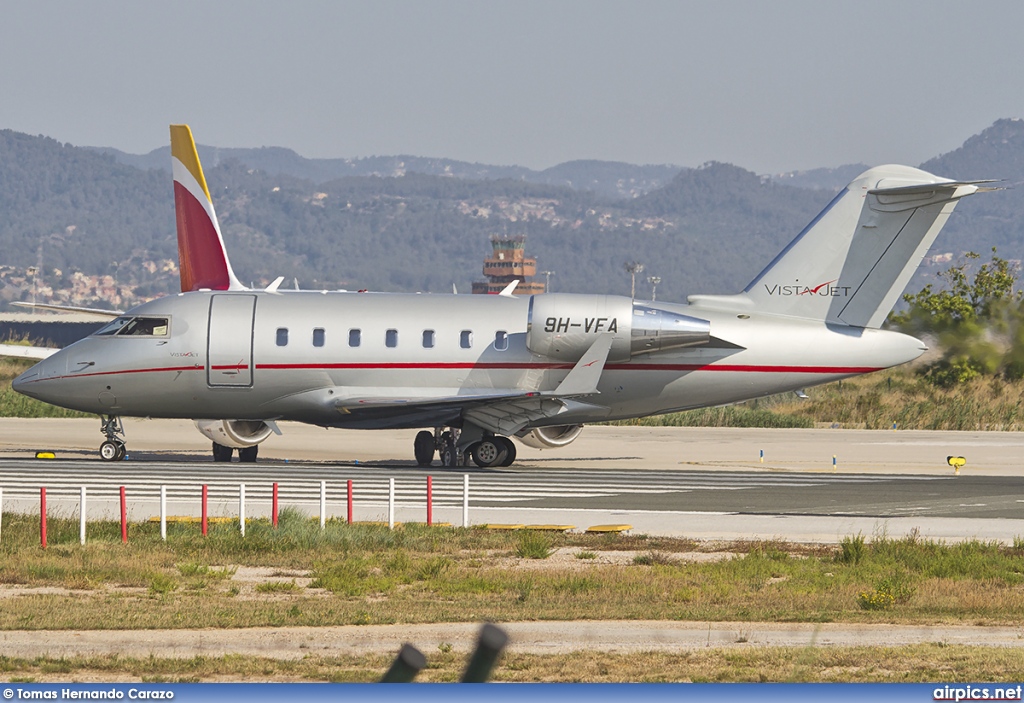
550,437
563,326
236,434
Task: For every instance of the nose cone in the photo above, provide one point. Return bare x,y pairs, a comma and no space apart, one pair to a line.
22,382
31,383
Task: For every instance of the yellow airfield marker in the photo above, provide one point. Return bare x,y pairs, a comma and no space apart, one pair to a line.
956,462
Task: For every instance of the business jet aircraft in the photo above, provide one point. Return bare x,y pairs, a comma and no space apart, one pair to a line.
477,370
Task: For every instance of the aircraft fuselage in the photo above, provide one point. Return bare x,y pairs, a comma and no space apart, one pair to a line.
377,360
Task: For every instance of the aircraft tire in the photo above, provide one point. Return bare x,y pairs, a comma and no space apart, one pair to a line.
247,455
448,456
423,448
510,451
489,452
222,453
111,451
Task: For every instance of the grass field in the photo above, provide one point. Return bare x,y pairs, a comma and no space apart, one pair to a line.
365,574
919,663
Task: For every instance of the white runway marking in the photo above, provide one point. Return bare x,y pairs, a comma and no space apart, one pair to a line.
297,482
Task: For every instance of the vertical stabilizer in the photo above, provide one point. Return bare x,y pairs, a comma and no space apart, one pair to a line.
202,259
850,264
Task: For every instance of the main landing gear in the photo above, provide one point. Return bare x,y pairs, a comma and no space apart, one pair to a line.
246,455
455,446
113,448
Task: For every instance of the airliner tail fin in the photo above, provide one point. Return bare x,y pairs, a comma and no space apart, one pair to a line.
202,259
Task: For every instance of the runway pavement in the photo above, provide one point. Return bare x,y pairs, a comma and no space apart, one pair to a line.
700,483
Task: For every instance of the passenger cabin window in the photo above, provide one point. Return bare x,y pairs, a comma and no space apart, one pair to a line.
318,337
282,336
391,339
501,340
136,327
466,339
355,338
428,339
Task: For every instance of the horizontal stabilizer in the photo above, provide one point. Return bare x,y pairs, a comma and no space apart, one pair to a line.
928,188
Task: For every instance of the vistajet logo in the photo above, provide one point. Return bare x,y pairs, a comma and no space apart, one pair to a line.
825,290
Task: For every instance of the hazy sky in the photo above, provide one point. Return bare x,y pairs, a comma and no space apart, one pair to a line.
770,86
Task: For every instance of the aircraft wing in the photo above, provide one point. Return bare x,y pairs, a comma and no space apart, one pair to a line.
22,352
499,412
505,411
71,308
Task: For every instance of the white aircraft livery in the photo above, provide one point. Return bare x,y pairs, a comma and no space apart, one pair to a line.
473,371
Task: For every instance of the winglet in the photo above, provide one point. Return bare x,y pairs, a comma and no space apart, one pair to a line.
586,374
508,290
202,258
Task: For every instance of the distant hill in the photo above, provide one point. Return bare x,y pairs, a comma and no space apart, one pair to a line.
822,178
81,209
399,228
607,178
994,219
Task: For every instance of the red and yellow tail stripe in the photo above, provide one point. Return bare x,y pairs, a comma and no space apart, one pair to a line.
202,259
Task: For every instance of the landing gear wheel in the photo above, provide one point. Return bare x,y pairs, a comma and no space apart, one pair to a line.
112,451
113,448
222,453
449,455
510,450
247,455
489,452
423,448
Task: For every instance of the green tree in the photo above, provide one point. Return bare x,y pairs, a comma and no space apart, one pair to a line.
978,321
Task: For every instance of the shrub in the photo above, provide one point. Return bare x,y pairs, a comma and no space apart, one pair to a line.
533,545
851,550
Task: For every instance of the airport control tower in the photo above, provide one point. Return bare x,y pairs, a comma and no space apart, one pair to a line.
507,263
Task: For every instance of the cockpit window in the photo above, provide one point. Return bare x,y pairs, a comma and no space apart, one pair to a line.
113,327
136,327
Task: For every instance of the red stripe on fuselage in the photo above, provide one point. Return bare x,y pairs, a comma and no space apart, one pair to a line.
121,371
733,368
736,368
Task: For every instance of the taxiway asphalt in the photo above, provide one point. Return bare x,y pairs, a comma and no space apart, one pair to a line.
700,483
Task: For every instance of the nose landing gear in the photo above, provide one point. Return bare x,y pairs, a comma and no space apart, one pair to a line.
113,449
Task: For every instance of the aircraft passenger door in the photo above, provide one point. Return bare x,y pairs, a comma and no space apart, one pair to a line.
229,343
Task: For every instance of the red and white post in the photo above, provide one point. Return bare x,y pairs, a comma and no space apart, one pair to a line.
273,507
124,517
430,501
204,513
42,516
